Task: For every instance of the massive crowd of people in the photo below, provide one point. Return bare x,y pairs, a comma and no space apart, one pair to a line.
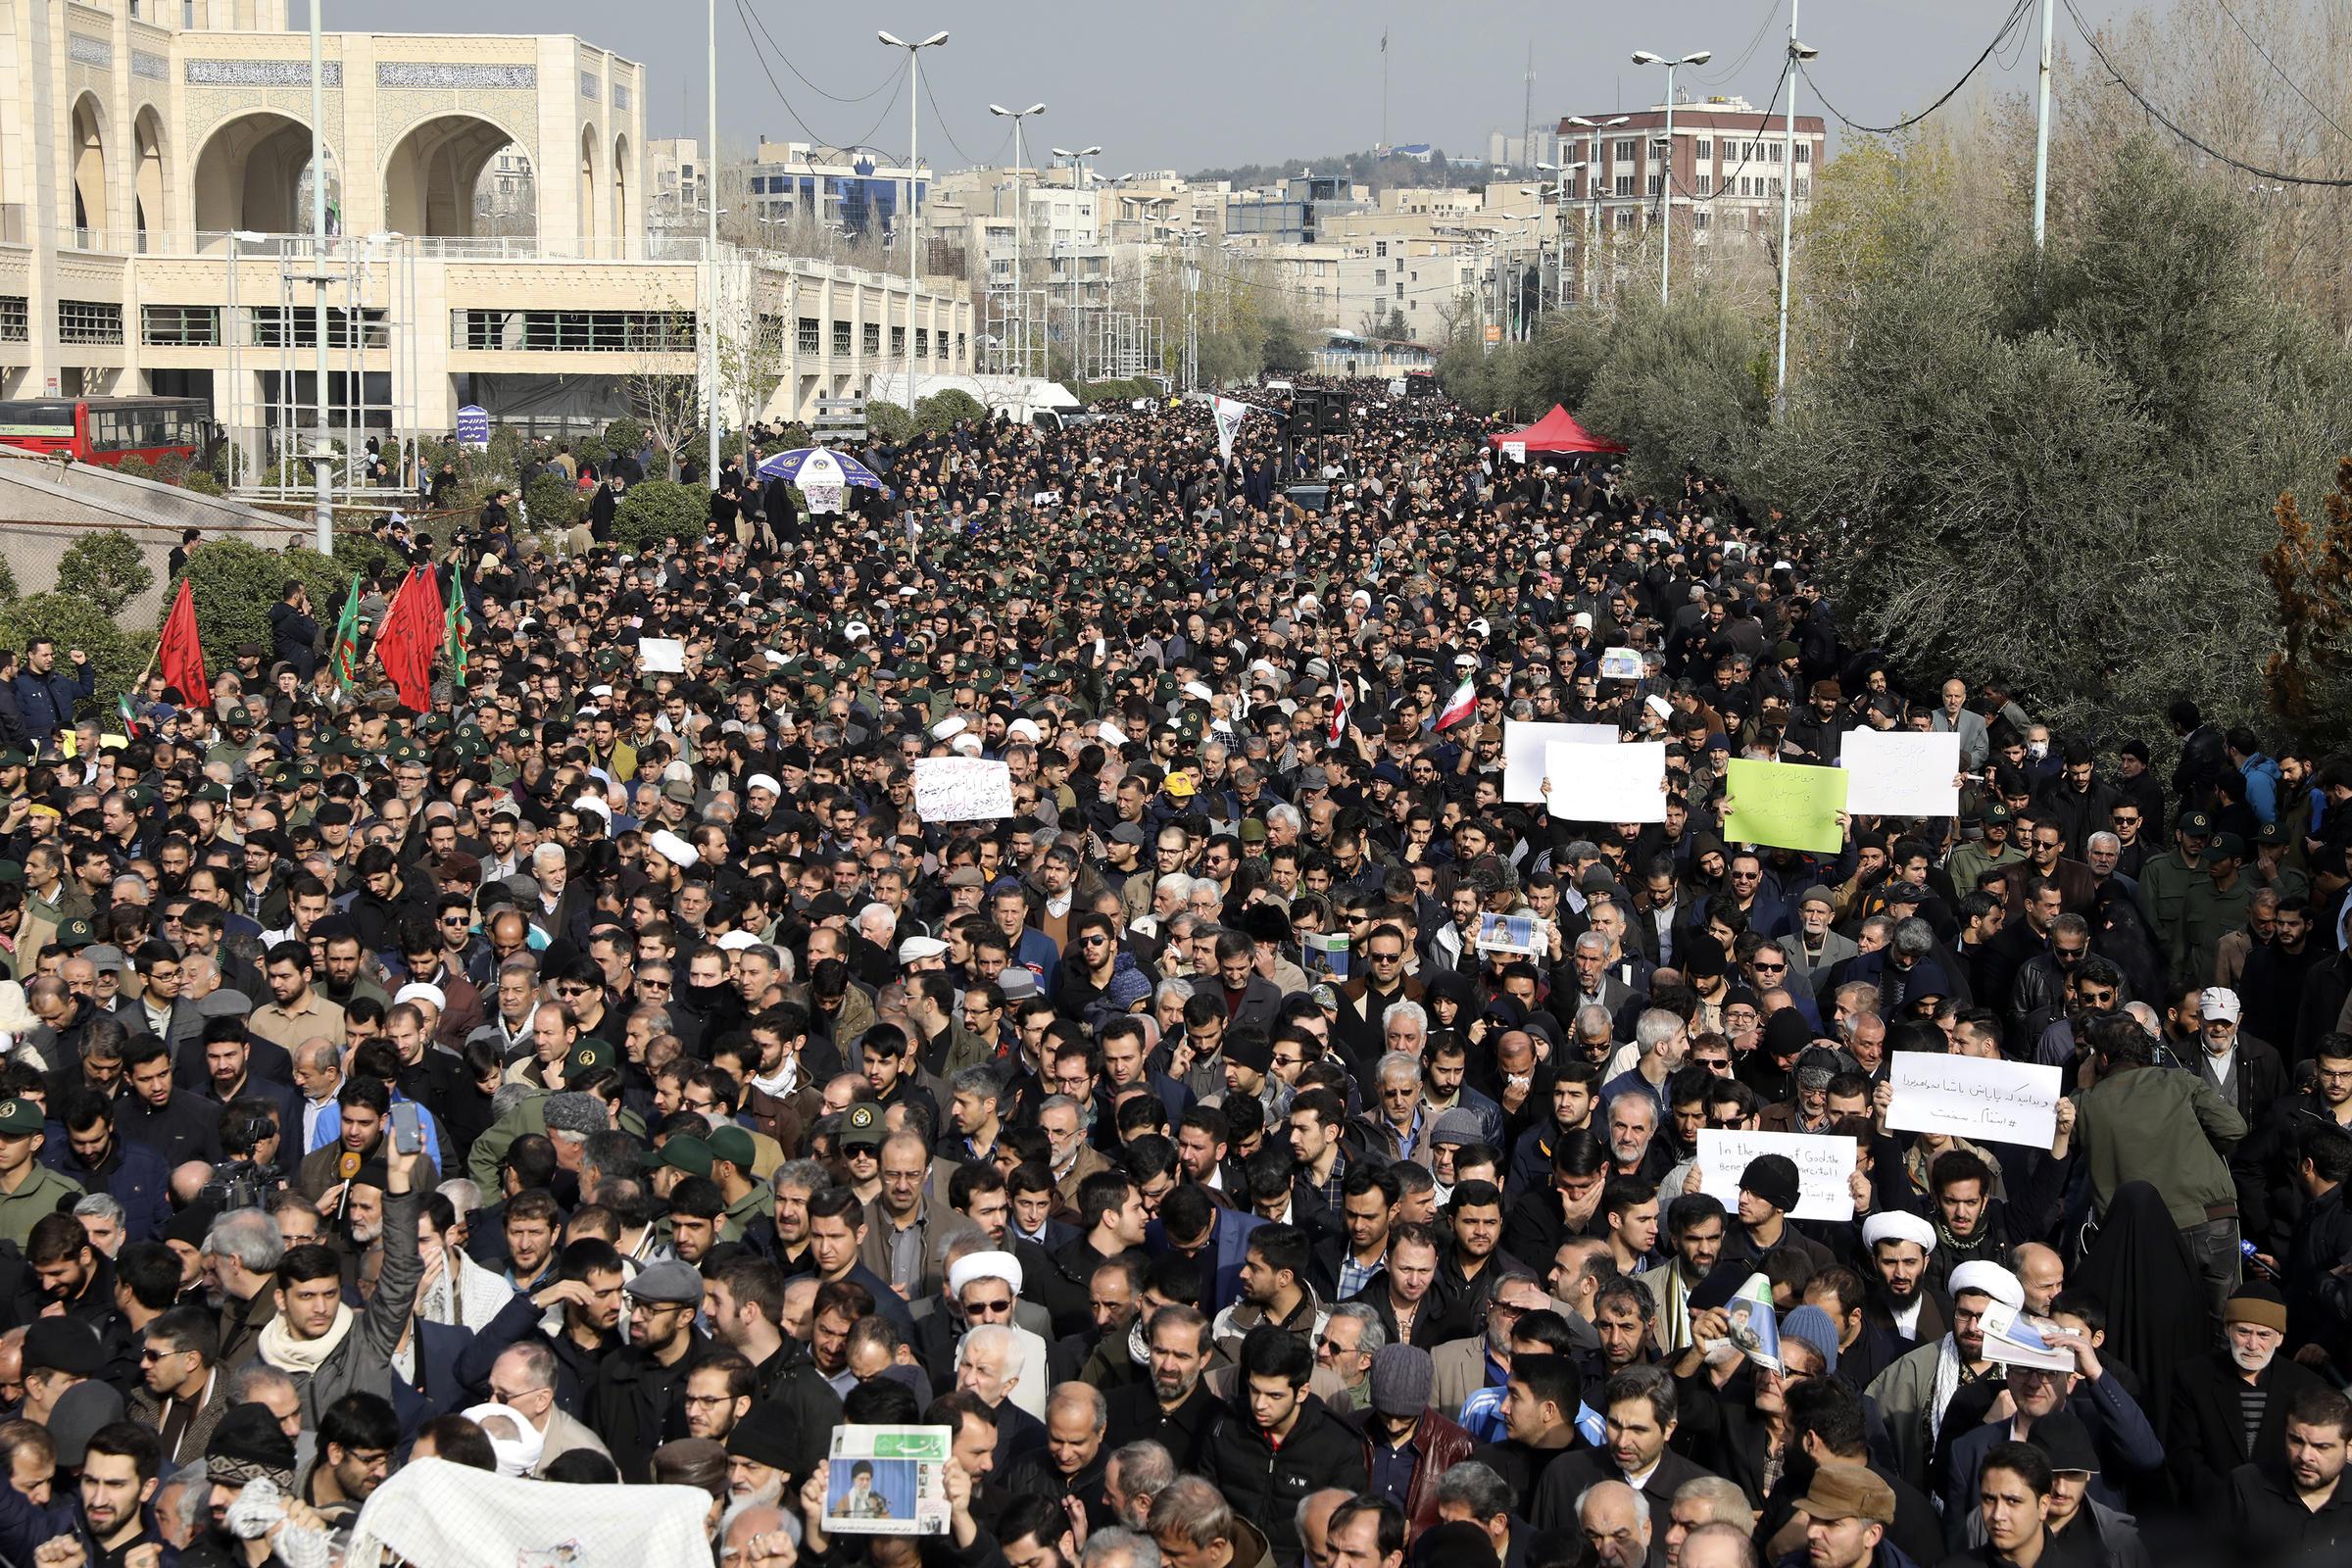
610,1076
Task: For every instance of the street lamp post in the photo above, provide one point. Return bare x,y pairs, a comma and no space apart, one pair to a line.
1593,129
1644,57
1076,161
915,94
1797,53
1020,218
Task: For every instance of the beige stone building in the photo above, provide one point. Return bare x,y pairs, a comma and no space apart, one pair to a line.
155,231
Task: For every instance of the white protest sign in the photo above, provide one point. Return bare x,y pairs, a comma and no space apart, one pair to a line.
1898,774
1608,783
662,655
1516,451
1974,1098
1824,1164
1620,663
961,789
1524,747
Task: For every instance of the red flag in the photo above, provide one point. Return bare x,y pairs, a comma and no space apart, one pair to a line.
181,653
1460,705
412,636
1339,712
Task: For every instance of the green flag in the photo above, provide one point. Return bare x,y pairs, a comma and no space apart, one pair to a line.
346,652
456,638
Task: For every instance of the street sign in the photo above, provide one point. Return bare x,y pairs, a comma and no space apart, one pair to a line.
1493,334
838,418
473,427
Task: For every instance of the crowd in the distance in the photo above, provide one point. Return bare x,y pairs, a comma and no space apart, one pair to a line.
610,1076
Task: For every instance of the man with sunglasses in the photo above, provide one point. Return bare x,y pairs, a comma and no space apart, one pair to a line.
1367,997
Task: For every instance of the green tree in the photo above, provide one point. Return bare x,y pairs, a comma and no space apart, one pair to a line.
888,421
659,510
72,621
2046,469
1285,352
105,568
1676,385
943,411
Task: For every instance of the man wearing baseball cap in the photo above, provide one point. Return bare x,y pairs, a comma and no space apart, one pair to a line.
29,1189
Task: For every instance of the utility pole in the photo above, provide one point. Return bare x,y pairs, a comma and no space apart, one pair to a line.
323,456
710,322
1020,221
2042,130
1797,53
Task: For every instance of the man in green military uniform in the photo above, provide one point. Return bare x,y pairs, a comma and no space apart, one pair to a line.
29,1189
2214,907
2164,884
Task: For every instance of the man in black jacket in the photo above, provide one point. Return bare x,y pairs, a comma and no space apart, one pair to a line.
637,1385
2213,1400
2294,1506
1277,1444
294,630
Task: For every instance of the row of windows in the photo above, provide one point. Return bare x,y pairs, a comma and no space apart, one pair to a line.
575,331
299,329
809,338
1703,149
129,429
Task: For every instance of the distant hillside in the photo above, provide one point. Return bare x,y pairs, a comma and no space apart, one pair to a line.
1365,168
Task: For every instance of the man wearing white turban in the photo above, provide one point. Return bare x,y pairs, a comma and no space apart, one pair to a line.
1898,1242
1914,1393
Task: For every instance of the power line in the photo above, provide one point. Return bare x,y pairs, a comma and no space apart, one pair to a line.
2016,14
813,87
744,11
2174,126
884,114
938,115
2281,72
1772,13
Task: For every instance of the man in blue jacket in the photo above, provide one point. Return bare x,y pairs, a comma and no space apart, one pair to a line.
1192,1223
45,695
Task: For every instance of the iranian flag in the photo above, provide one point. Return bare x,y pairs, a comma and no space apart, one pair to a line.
1460,705
1339,712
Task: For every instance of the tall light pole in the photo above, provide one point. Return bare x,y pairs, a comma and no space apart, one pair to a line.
1593,129
1020,218
2041,128
1560,282
708,335
1644,57
1076,161
1797,53
915,95
323,506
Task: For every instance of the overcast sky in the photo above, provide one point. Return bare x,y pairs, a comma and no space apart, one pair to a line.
1215,82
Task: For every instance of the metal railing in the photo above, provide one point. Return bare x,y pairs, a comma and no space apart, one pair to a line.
639,249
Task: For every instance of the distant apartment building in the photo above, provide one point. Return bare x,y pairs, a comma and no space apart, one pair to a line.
1729,161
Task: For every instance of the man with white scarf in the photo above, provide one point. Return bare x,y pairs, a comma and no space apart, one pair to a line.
1914,1393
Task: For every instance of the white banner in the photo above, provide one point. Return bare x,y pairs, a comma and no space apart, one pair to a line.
1230,413
1515,451
1977,1097
1608,783
662,655
1823,1165
1900,773
961,789
1525,744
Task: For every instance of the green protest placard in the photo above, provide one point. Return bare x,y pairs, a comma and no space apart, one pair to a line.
1786,804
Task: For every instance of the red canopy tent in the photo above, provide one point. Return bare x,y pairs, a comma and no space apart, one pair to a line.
1556,431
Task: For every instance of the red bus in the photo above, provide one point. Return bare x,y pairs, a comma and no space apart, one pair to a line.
106,430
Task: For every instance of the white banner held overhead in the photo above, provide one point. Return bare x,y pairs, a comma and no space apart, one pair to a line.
662,655
1525,744
1900,773
1823,1165
1230,413
1608,783
961,789
1975,1097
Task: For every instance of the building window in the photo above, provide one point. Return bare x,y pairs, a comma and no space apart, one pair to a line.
275,328
180,325
840,338
1380,278
1625,218
1804,152
1698,220
1776,187
1379,247
1625,152
922,342
88,321
898,342
15,322
1802,192
806,338
1625,184
1775,155
869,339
1401,290
960,345
1657,184
523,331
1706,183
1704,148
